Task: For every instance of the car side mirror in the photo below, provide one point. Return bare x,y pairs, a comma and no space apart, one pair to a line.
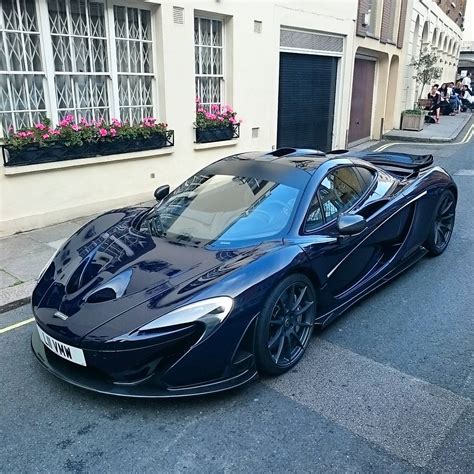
161,192
350,224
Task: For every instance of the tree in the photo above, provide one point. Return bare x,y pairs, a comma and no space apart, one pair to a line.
425,69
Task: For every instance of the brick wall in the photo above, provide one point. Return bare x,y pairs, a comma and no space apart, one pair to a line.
456,12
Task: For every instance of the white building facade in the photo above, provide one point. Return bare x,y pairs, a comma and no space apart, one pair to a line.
133,59
428,27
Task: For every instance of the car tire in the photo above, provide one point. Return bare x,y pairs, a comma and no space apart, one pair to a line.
443,224
285,325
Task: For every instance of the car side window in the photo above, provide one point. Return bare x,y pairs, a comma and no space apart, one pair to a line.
339,191
314,217
365,175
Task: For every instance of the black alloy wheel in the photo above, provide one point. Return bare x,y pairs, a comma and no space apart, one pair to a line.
285,325
443,224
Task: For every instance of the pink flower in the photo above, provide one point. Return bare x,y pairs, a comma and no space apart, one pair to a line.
113,132
214,107
55,132
75,127
232,120
201,110
40,126
46,136
103,132
221,119
198,100
116,123
84,122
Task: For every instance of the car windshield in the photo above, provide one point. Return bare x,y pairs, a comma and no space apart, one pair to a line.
223,210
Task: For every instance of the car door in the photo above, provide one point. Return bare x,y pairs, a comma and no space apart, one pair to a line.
344,263
333,258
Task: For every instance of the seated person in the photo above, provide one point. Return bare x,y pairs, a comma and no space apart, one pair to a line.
468,98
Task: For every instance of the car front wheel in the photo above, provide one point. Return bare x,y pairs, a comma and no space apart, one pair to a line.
285,325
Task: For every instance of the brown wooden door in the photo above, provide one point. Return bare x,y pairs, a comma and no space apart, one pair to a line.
362,96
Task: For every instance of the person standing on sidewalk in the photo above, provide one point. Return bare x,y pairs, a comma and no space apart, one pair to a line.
435,97
467,80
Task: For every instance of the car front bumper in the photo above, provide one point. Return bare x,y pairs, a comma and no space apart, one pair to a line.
150,387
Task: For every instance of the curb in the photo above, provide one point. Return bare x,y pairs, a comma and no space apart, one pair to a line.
450,139
16,296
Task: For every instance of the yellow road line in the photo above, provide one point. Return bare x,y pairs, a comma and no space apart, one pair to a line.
16,325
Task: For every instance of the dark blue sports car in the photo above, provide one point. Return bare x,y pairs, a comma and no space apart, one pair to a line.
227,276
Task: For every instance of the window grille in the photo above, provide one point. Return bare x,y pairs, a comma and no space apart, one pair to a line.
209,58
86,76
79,45
134,62
22,99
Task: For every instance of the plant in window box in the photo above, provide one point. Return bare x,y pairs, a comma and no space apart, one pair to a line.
217,125
413,119
69,140
122,137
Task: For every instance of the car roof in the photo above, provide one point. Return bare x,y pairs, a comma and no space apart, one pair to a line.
291,166
300,158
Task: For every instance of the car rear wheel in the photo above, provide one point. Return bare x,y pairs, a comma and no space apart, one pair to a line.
443,224
285,325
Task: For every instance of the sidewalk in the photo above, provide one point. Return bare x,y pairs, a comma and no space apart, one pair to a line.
447,130
23,256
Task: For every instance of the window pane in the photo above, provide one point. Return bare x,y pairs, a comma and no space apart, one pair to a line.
79,46
208,59
134,56
21,95
216,33
315,215
205,32
339,191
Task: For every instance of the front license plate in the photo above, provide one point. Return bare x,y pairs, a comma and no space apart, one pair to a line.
65,351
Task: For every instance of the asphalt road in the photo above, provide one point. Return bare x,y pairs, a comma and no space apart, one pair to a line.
387,388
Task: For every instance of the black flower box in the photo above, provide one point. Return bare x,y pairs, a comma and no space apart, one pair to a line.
217,134
34,154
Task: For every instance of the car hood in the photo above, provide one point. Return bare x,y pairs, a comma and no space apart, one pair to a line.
100,274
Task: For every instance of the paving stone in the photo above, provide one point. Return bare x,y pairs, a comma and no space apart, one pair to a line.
29,268
53,232
56,244
6,279
11,246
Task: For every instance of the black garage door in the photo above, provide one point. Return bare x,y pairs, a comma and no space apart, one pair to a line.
306,101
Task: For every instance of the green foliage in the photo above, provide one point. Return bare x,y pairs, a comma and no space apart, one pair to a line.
425,68
70,133
217,118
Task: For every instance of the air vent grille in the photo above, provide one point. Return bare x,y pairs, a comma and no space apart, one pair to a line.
310,41
178,15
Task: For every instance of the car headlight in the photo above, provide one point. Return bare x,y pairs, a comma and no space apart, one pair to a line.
210,312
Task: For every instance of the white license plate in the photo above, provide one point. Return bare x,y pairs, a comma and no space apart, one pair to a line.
65,351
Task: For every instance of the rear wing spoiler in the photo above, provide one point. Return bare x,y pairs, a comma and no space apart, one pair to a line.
406,161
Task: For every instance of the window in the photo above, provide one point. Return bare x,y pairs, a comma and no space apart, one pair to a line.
340,190
22,98
97,61
223,209
392,20
134,62
372,13
209,67
80,58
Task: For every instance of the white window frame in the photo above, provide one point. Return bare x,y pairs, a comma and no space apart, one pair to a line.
197,75
10,73
49,73
115,73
